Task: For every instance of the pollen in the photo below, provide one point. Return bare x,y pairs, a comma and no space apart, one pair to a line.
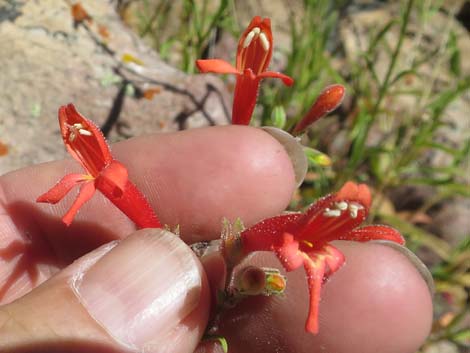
342,205
306,242
84,132
264,41
249,38
353,209
332,213
76,129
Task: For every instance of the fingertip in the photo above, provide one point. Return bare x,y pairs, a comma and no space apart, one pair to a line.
195,178
377,301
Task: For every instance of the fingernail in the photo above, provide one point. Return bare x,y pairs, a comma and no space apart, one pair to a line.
143,288
294,150
415,260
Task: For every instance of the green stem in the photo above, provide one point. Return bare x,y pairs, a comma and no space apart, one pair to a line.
359,143
396,52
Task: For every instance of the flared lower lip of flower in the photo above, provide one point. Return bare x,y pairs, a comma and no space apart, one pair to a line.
304,238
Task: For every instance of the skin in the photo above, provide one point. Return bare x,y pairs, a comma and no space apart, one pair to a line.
376,302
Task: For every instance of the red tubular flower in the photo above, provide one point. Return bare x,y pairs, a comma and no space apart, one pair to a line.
86,143
328,100
254,52
304,239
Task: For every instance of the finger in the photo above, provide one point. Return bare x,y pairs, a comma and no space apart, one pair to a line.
378,301
191,178
147,293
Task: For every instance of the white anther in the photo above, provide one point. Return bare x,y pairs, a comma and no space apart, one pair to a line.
256,30
331,213
354,208
264,41
72,136
78,126
248,39
84,132
342,205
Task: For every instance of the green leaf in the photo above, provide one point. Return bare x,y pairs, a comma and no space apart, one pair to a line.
278,117
462,337
317,158
454,62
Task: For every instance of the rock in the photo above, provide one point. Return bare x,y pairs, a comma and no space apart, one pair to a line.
441,347
452,220
99,65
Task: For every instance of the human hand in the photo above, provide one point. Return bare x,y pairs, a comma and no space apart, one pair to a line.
146,291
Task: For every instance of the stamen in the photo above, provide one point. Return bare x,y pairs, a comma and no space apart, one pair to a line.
256,30
354,208
84,132
309,244
249,38
342,205
332,213
264,41
72,136
78,126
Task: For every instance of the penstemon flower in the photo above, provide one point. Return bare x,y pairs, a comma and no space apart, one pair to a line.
85,142
328,100
254,52
304,239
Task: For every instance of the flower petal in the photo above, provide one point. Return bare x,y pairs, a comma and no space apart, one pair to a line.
315,269
84,140
328,219
334,258
115,177
244,99
328,100
62,187
267,233
375,232
288,81
130,201
216,66
288,252
359,193
86,192
255,47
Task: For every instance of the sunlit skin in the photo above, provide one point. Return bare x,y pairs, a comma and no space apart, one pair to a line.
85,142
304,239
254,52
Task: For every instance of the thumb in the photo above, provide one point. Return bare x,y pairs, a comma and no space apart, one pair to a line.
145,293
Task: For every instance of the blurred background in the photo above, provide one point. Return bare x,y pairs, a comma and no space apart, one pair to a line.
403,128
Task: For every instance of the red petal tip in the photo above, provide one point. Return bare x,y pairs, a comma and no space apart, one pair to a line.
328,100
216,66
355,192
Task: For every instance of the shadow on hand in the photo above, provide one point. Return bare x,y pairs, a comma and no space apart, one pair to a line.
51,251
